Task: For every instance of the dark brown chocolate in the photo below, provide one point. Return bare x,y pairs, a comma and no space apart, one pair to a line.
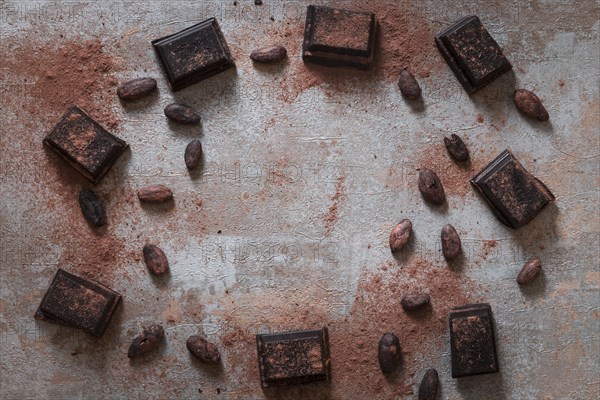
336,37
472,54
84,144
472,342
79,303
515,195
193,54
293,358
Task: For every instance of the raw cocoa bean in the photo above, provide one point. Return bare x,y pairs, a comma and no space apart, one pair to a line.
203,350
530,105
431,187
149,340
92,208
530,271
270,54
136,89
155,260
408,85
451,246
155,194
400,235
428,390
414,300
193,154
389,352
456,148
182,114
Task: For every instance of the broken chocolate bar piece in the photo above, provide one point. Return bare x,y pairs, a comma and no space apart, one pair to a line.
84,144
472,54
515,195
79,303
293,358
337,37
194,54
472,343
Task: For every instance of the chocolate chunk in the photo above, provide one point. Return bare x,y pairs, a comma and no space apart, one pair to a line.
451,246
182,114
84,144
92,208
194,54
294,357
203,350
79,303
456,148
428,390
530,271
515,195
136,89
413,301
472,343
269,55
408,85
389,353
149,340
193,154
530,105
155,259
400,235
336,37
431,187
472,54
155,194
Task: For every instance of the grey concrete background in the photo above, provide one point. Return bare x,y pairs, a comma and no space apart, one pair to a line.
261,243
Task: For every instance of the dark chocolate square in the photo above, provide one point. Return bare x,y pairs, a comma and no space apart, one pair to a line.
515,195
472,343
472,54
79,303
293,358
84,144
194,54
338,37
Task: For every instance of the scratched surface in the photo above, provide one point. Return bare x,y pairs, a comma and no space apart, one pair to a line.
295,203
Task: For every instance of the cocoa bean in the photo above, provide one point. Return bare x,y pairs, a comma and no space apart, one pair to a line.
155,260
530,271
182,114
400,235
155,194
136,89
270,54
428,390
389,352
431,187
530,105
408,85
414,300
203,350
193,154
149,340
92,208
456,148
451,246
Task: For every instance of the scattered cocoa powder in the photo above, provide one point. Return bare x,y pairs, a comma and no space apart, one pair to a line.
51,76
331,216
404,39
455,178
488,246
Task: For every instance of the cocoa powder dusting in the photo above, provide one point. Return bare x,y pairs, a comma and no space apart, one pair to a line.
331,216
404,39
55,76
